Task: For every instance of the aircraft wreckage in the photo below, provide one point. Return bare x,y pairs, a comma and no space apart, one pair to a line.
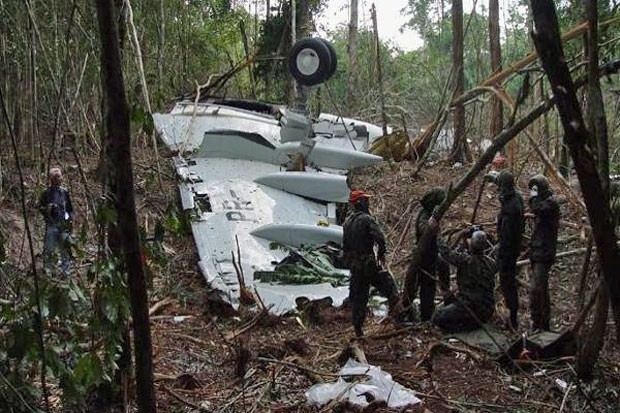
258,218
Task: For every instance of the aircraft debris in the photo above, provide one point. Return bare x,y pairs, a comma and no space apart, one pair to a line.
360,384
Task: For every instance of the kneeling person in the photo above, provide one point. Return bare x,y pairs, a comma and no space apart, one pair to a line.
473,304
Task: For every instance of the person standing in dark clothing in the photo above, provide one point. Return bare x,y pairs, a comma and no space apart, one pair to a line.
546,210
473,304
57,210
432,268
360,235
510,226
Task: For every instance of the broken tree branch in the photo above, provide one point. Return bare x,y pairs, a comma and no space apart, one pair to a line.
315,373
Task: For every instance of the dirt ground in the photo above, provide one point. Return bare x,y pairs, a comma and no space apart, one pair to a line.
210,360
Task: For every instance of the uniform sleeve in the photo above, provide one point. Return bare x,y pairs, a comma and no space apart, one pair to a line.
377,236
421,224
510,229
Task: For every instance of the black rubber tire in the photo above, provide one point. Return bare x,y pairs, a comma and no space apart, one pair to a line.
317,56
332,52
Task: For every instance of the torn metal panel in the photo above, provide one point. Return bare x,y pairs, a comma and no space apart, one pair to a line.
242,217
183,128
233,180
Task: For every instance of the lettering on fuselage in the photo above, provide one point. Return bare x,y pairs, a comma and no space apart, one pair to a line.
236,206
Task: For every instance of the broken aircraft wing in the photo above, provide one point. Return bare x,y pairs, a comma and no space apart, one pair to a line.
250,213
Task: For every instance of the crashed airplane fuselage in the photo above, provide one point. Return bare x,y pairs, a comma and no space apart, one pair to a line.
251,207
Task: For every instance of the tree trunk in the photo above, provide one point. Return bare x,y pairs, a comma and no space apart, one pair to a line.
547,40
460,152
379,71
119,130
593,338
161,44
352,51
496,122
597,121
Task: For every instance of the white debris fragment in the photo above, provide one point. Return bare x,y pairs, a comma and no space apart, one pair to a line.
561,384
515,388
378,384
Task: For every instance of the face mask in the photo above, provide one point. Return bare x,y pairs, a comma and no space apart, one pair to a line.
534,191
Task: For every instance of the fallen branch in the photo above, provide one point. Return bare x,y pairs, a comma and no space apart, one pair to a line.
163,377
314,373
576,251
190,338
160,305
440,344
251,324
185,401
391,334
570,253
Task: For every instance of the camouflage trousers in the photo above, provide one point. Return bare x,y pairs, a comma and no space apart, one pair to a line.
364,274
540,303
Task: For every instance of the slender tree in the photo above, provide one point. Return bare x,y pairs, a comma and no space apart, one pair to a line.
460,151
593,338
119,132
549,47
496,123
352,52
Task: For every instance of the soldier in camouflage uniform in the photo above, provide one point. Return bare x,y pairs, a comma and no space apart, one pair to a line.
473,304
432,268
543,243
510,227
360,235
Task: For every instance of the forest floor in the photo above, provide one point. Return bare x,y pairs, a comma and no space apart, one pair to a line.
207,359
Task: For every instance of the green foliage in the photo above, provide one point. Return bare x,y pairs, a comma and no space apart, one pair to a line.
176,221
142,119
106,214
83,326
273,72
304,265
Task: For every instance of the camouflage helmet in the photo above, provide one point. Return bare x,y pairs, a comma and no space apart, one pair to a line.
478,242
541,182
505,179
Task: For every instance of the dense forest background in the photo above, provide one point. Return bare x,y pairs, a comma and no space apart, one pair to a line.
470,80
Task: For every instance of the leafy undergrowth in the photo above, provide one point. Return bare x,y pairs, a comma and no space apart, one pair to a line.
209,359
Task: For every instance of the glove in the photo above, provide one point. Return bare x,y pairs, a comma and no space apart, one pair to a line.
491,176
